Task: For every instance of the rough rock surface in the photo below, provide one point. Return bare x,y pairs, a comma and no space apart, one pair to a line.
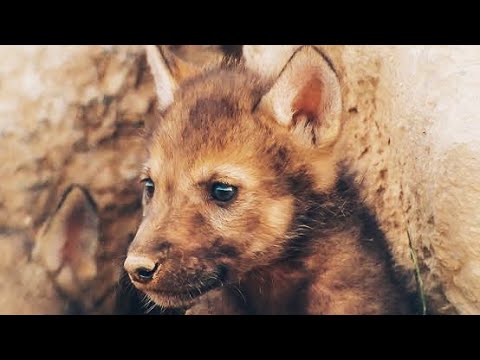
411,132
72,114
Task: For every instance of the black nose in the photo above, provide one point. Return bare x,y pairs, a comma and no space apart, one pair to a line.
140,269
144,274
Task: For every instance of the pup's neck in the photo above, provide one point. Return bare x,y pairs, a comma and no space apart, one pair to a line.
336,261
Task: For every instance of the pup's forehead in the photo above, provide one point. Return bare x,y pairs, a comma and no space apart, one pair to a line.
211,124
216,94
211,112
236,83
204,161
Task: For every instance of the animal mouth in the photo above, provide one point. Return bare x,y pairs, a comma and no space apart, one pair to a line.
183,297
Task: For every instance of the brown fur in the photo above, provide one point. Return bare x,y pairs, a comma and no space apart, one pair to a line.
295,239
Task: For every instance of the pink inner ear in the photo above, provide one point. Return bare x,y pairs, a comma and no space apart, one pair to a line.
308,101
75,221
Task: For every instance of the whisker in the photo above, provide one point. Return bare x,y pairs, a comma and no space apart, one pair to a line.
149,310
240,292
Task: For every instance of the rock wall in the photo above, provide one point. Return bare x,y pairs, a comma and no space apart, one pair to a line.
72,114
411,132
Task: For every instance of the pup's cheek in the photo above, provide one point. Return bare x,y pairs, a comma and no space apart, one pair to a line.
278,216
269,235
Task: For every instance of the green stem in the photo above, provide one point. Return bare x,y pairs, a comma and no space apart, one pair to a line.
417,275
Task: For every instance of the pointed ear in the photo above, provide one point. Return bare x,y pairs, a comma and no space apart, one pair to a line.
306,98
267,60
168,71
67,243
165,84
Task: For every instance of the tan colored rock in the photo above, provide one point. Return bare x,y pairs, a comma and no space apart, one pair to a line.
72,114
412,134
55,270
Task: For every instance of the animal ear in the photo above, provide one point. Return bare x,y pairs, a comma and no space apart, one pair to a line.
267,60
165,84
168,71
67,243
306,98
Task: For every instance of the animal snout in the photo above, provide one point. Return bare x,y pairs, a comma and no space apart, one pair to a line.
141,269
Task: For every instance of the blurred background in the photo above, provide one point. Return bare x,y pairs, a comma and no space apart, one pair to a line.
73,114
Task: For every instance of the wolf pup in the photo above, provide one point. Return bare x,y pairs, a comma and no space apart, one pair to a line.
246,210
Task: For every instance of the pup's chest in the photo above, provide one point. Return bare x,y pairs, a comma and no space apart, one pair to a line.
276,290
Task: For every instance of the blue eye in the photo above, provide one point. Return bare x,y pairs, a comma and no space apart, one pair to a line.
223,192
149,187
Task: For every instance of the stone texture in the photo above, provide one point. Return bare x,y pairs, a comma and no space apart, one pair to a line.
72,114
411,132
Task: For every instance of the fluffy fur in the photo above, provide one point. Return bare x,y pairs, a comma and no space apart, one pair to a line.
296,239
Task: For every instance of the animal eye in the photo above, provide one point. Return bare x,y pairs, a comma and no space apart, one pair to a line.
149,189
223,192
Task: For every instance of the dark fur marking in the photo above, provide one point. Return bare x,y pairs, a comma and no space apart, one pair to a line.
299,183
164,246
169,187
220,249
228,251
371,230
277,159
207,108
318,214
234,51
198,220
281,159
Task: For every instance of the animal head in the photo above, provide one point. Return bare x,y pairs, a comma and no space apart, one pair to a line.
233,160
53,273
